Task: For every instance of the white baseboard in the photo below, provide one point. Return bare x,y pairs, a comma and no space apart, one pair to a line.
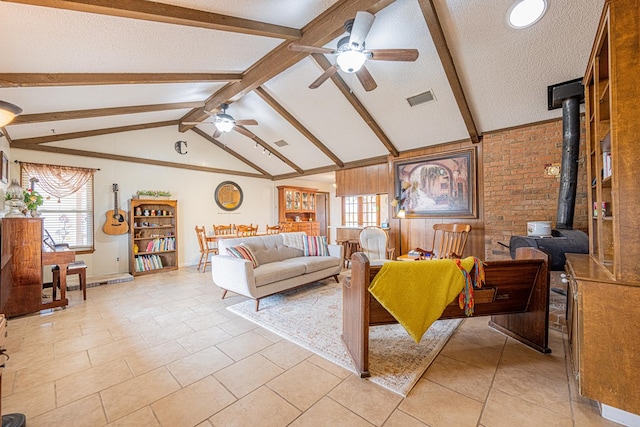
619,416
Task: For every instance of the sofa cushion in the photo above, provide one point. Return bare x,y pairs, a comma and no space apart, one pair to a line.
276,271
315,246
314,263
267,249
243,251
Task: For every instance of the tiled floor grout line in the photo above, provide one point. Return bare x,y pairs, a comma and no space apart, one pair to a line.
76,320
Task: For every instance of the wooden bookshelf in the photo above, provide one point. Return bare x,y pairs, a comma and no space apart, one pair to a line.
153,243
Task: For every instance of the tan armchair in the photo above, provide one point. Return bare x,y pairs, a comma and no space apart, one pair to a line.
373,243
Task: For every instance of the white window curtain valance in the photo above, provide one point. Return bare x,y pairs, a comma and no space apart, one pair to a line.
58,181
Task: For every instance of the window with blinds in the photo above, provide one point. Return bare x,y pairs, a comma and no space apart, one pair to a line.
69,219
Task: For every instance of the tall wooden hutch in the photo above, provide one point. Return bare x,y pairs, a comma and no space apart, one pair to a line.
297,206
604,286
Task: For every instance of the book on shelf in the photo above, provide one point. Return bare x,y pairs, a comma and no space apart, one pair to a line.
148,262
161,244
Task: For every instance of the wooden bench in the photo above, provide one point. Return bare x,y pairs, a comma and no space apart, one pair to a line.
515,294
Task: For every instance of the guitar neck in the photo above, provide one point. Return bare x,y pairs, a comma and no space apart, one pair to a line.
115,198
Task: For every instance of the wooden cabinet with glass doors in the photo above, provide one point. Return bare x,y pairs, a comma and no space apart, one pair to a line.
297,206
604,286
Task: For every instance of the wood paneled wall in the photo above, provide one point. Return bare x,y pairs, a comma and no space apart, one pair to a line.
361,181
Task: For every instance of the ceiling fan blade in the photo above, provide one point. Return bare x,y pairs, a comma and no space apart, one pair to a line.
243,131
309,49
393,54
361,26
217,133
196,123
324,76
247,122
366,79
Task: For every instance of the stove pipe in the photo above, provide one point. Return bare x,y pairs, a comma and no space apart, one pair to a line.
568,95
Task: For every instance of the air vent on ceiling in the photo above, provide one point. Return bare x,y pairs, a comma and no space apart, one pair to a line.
422,98
281,143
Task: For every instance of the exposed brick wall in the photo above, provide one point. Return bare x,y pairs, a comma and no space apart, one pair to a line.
516,189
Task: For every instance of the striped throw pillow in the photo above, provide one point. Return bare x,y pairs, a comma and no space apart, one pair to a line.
244,252
315,246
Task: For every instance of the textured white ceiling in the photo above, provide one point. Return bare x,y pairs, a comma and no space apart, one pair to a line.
504,74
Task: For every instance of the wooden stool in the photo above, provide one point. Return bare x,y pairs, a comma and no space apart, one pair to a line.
349,248
76,267
353,246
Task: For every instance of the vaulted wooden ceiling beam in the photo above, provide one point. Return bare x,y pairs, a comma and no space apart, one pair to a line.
89,133
231,152
349,165
357,105
97,79
132,159
266,97
101,112
246,132
170,14
435,29
326,27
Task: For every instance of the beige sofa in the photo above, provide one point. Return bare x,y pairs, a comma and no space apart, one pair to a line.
281,267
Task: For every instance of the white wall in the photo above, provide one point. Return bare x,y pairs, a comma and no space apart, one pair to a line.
193,189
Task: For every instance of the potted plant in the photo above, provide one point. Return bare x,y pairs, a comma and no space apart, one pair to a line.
32,199
152,194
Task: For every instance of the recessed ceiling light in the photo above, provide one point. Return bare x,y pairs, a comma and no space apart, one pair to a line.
524,13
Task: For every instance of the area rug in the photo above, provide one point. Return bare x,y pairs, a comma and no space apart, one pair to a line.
311,316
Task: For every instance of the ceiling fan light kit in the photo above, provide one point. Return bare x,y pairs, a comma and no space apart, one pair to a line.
351,61
224,123
8,112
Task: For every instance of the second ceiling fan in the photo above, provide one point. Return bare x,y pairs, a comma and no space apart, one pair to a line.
226,123
352,53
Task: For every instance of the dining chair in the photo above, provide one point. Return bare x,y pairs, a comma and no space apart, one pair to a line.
205,250
246,230
286,227
224,230
275,229
449,241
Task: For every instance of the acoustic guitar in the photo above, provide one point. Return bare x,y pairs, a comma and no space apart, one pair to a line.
115,223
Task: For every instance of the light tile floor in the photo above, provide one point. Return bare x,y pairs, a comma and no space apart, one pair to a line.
162,350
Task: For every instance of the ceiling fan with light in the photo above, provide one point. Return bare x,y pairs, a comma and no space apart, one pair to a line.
225,122
352,53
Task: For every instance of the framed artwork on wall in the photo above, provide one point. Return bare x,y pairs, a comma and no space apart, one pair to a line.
4,168
439,185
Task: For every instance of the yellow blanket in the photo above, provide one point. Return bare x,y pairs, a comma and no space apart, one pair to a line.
416,293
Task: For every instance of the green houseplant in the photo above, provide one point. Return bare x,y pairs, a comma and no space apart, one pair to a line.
31,198
152,194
